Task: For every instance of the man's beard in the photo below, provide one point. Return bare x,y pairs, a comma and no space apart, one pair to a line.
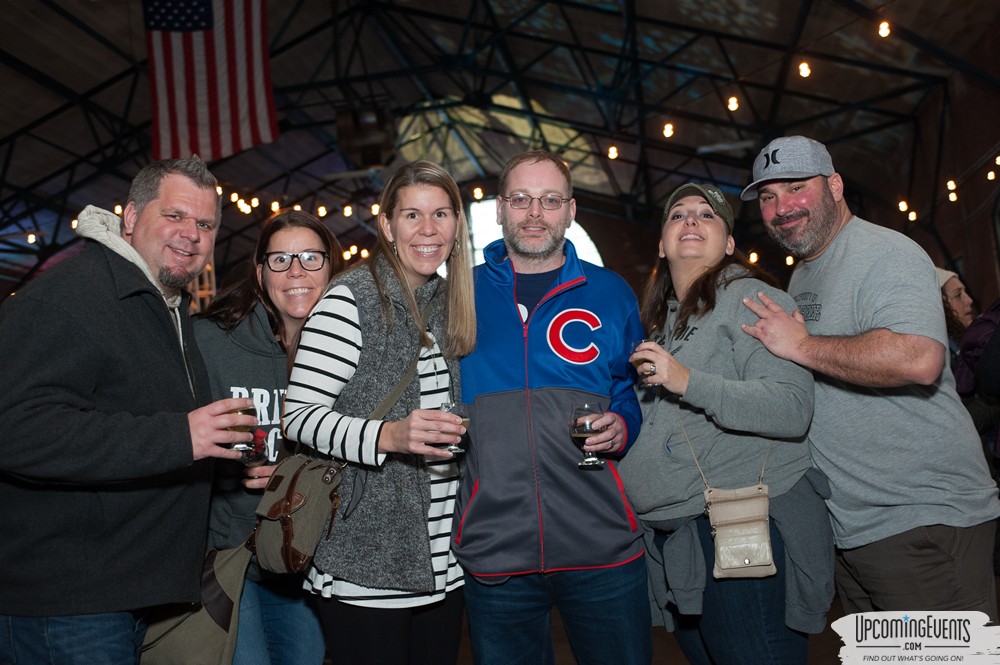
813,234
176,280
540,253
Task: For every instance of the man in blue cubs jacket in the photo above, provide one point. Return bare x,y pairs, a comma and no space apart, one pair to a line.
533,530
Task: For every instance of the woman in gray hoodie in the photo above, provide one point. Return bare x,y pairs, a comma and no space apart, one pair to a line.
714,394
245,336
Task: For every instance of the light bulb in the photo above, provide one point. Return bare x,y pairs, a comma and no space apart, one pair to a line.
883,29
613,152
734,104
789,260
804,70
668,129
903,206
321,211
753,257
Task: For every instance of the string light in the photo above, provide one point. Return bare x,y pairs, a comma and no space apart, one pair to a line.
375,209
218,190
477,193
353,250
668,129
950,185
912,216
32,238
321,211
118,209
364,253
348,211
884,30
254,202
734,104
73,224
997,160
296,207
347,255
234,197
991,175
903,206
613,152
789,260
275,206
952,196
804,70
753,257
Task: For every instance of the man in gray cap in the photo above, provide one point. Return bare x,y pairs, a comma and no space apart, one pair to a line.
912,500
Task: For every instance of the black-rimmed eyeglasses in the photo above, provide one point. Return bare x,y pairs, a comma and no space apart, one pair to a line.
282,261
547,201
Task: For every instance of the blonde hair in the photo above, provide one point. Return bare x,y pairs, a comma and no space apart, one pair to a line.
461,299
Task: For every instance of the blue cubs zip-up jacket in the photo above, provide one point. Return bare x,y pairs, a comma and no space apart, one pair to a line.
524,505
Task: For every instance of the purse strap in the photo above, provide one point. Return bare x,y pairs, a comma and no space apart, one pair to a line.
361,477
680,419
397,390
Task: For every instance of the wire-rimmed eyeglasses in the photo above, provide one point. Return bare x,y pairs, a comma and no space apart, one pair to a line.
282,261
547,201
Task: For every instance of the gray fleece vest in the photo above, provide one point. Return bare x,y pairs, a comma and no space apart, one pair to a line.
383,543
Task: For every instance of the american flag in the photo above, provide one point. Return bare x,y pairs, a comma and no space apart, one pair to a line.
210,77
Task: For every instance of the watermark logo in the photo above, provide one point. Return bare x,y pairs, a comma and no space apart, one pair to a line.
918,637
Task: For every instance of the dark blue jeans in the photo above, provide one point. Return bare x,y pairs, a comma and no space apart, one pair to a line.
605,612
742,620
110,638
278,625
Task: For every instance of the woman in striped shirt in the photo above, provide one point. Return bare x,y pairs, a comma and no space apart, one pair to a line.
391,586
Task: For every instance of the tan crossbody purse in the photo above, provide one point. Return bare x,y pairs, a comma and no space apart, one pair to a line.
740,526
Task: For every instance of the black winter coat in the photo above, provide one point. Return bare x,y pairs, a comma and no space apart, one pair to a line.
101,506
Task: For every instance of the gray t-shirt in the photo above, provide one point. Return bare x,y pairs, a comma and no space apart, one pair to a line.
897,458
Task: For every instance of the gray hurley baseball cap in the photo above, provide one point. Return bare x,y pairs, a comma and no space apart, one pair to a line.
788,158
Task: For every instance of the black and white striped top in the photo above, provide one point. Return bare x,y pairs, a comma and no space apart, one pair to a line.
327,358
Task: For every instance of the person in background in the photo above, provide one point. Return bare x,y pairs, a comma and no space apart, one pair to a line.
532,530
912,501
391,588
959,316
245,336
958,309
104,469
713,393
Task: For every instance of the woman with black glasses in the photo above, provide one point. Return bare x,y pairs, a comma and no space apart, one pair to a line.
245,336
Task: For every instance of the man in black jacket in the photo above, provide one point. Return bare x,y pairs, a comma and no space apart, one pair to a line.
104,476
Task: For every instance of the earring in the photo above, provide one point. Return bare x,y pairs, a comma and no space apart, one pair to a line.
394,251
